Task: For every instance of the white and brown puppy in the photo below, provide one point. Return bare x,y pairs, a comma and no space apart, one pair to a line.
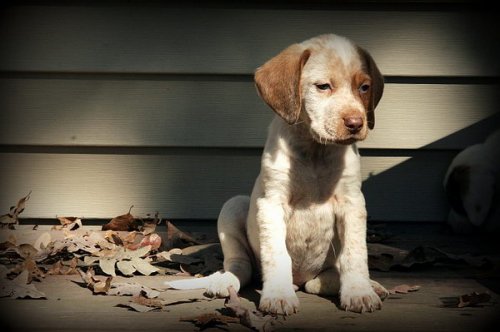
305,222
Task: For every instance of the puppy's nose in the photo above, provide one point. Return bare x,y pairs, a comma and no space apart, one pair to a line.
353,123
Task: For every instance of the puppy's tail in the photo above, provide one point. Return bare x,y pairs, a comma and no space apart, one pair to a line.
194,283
216,285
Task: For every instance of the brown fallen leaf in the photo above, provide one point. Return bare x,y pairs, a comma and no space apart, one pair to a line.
11,219
125,222
384,258
249,318
141,303
153,240
473,299
29,265
94,284
149,224
178,239
132,289
211,319
19,288
59,268
70,223
403,289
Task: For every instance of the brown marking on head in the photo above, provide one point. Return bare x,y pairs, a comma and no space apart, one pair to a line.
278,82
377,85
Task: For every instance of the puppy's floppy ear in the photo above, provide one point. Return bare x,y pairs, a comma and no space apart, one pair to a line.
278,82
377,87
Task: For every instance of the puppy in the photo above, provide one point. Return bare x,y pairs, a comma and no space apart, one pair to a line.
472,184
305,222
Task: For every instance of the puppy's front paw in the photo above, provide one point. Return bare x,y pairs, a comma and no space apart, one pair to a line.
357,295
279,300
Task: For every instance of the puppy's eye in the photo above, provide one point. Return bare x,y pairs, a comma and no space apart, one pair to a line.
324,87
364,88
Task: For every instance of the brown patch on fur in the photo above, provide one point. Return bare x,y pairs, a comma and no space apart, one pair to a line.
377,85
278,82
358,79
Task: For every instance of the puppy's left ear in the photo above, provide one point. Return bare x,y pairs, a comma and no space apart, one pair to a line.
377,88
278,82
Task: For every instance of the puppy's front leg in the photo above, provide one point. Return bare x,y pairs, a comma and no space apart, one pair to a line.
356,291
278,294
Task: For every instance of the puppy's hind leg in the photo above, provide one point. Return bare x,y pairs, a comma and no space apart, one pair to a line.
231,227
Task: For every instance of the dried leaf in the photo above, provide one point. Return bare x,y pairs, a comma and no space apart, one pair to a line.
102,286
10,243
152,240
150,302
403,289
132,289
384,258
125,222
143,267
11,219
113,237
207,320
87,276
473,299
139,307
26,250
90,260
29,265
149,225
42,242
251,319
166,255
126,267
178,239
109,258
20,288
143,304
141,252
107,266
96,285
70,223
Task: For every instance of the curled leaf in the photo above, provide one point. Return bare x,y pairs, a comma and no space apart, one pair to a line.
11,219
107,266
403,289
473,299
125,222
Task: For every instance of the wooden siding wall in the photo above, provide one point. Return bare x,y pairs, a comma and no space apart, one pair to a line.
107,104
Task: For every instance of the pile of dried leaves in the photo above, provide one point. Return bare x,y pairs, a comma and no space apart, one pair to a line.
111,251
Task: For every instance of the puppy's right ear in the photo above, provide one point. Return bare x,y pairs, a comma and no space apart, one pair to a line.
278,82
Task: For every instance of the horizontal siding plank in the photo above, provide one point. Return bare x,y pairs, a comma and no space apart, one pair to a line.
192,186
220,113
159,39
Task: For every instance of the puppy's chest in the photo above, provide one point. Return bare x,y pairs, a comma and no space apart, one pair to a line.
314,182
310,214
309,240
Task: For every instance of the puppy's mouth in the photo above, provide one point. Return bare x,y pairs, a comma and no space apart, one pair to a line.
346,139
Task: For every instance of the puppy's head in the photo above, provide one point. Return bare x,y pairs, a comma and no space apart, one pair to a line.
326,82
